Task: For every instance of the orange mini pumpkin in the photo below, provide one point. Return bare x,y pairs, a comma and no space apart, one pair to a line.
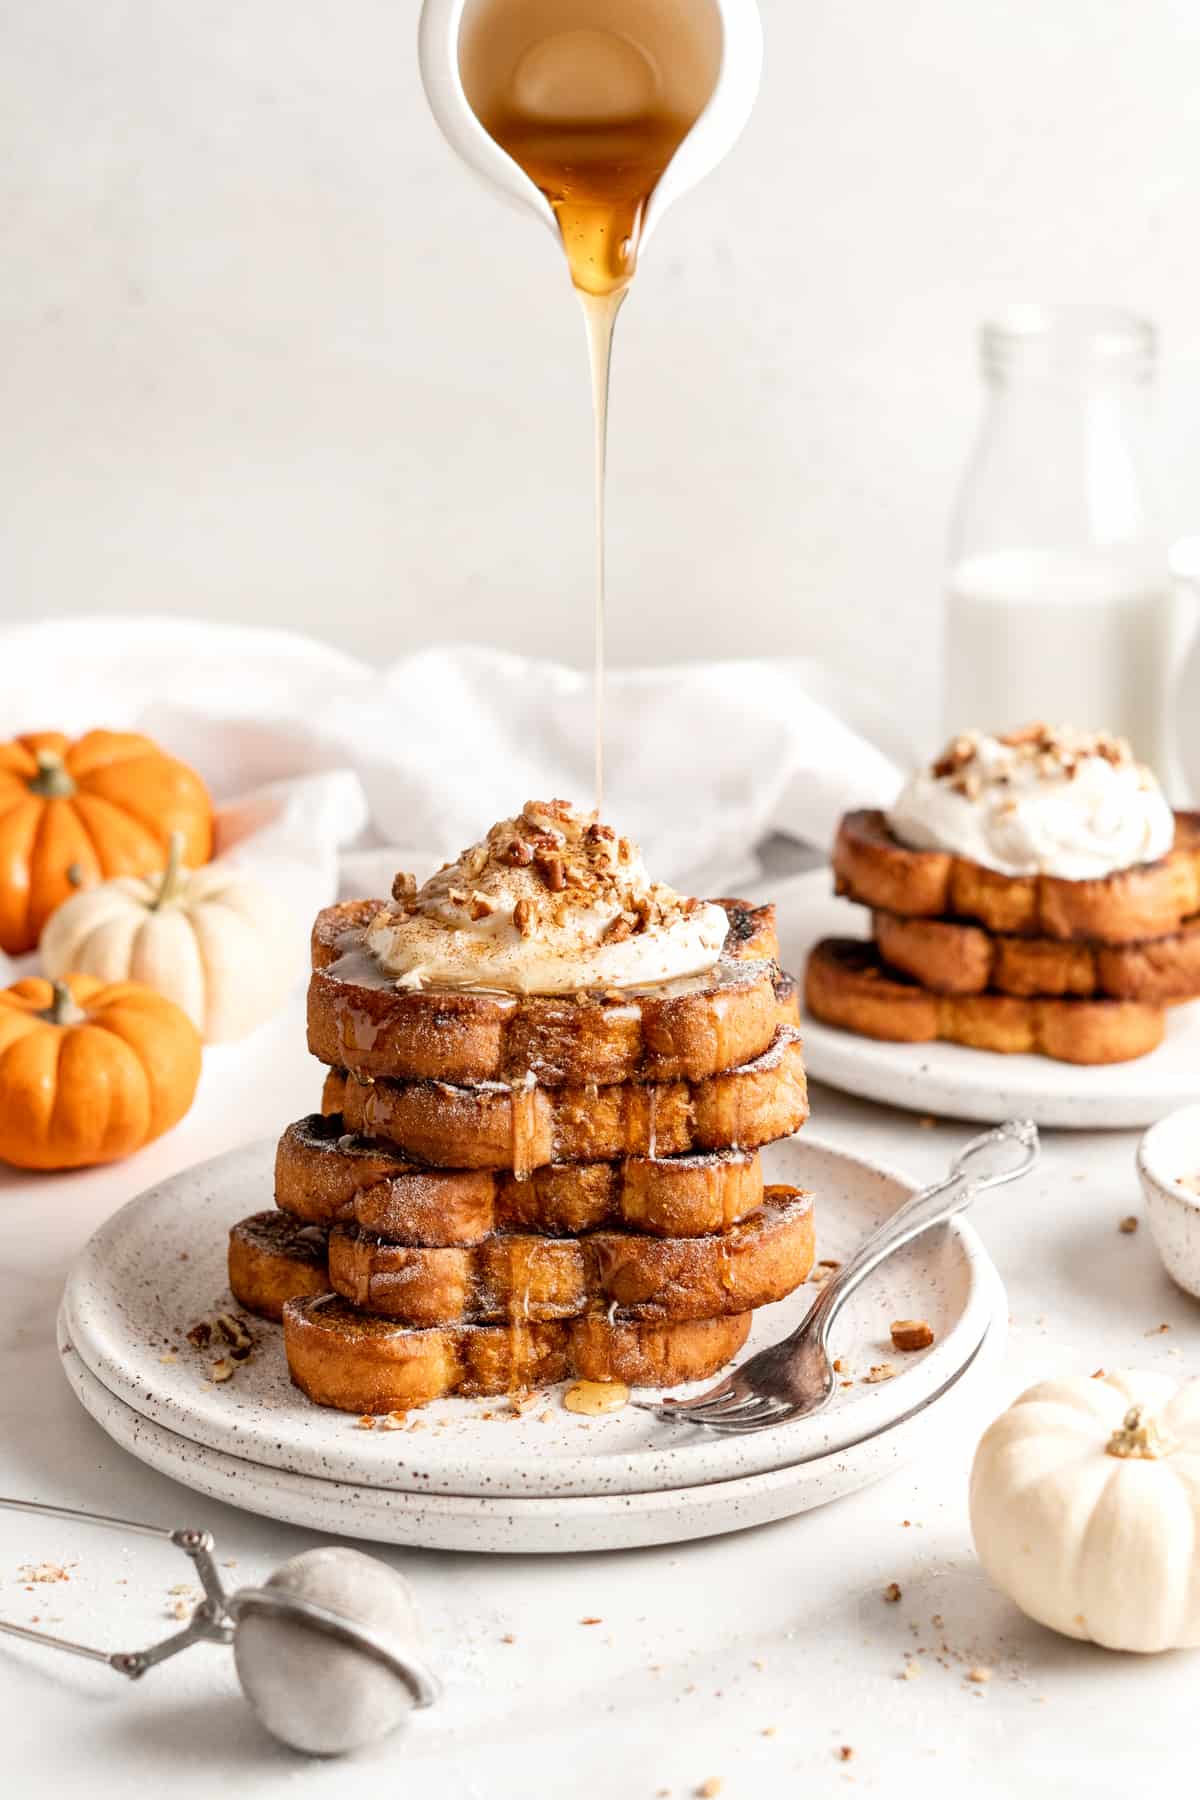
90,1070
76,813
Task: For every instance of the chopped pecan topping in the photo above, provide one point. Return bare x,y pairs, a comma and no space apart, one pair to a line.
519,854
956,756
523,917
404,888
545,816
1055,754
550,868
1024,734
620,929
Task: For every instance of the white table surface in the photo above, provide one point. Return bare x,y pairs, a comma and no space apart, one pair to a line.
749,1658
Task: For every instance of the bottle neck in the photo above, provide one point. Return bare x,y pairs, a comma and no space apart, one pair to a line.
1061,462
1072,346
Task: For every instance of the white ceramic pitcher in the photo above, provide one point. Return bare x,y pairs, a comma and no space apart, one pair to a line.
711,137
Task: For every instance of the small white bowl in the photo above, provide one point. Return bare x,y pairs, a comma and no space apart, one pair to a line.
1169,1152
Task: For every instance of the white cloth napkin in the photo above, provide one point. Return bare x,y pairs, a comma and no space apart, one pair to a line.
330,775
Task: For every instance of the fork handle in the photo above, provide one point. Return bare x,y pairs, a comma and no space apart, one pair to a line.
934,1205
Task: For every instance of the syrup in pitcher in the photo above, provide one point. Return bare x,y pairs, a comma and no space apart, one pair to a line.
592,98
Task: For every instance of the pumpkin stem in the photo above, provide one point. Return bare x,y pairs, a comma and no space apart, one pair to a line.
62,1009
1138,1436
171,874
52,780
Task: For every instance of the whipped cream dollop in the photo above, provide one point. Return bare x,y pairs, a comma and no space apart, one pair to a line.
551,902
1037,801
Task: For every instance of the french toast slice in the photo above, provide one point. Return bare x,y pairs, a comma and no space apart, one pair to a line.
516,1275
519,1275
953,958
1151,900
359,1363
847,984
327,1176
492,1126
359,1019
273,1258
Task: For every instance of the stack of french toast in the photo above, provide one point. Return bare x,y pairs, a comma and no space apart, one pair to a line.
1029,893
537,1157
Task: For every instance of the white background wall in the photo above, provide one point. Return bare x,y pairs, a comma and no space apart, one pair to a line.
269,354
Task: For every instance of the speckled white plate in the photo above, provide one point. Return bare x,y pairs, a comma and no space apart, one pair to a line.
977,1084
158,1265
548,1525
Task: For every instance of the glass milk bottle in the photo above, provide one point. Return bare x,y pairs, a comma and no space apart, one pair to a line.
1058,604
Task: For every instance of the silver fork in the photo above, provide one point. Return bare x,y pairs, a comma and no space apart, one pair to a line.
795,1377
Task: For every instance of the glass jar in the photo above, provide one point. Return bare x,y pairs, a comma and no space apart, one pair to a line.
1058,607
1185,568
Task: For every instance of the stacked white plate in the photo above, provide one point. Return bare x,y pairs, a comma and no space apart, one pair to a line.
474,1475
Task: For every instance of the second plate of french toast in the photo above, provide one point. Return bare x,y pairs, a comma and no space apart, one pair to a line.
1021,930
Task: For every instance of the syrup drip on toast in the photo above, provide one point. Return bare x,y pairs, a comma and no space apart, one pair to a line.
524,1131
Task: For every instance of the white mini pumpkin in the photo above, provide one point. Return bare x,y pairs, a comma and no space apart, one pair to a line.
1085,1508
223,946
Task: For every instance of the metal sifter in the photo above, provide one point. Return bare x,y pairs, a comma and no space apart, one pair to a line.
327,1650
